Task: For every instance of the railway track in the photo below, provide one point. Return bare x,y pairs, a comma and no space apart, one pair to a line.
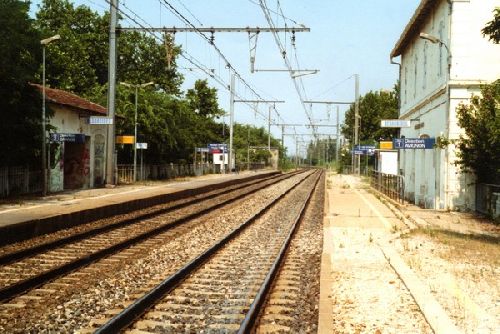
27,268
182,242
224,288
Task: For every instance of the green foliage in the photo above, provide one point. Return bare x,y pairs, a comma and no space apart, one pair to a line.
373,107
492,28
172,124
318,151
251,142
479,148
203,100
20,129
79,61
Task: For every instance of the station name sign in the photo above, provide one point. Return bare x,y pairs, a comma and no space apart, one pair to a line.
414,143
394,123
100,120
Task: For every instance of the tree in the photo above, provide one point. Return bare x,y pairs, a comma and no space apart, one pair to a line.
203,100
373,107
492,28
20,106
79,61
479,147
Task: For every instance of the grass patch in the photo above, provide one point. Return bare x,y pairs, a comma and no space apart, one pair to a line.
464,246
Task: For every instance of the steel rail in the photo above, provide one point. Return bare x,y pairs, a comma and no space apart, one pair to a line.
8,258
125,318
251,316
11,291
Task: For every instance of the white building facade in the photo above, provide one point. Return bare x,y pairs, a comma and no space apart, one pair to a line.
435,78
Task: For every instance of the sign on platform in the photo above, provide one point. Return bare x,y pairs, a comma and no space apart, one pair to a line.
100,120
364,149
217,148
386,145
125,139
394,123
78,138
202,149
414,143
141,146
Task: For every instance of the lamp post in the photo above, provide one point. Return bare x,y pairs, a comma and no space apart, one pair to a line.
436,40
45,42
135,120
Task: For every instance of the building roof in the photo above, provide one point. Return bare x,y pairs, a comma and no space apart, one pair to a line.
413,28
65,98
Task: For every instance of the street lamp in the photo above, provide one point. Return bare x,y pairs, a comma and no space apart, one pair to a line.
45,42
436,40
135,120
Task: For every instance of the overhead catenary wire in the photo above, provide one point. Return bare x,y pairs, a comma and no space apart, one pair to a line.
210,41
281,48
188,57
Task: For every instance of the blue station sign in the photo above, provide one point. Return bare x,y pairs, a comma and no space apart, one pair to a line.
364,150
414,143
78,138
217,148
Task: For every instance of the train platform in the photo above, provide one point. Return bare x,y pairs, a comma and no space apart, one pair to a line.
31,216
364,276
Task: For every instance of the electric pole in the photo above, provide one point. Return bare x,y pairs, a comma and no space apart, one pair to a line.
356,124
110,147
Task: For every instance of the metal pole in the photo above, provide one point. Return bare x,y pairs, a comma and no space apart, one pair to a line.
248,149
356,123
337,146
44,162
296,153
135,135
269,130
283,144
110,149
231,123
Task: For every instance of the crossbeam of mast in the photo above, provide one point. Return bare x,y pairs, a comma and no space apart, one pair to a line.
329,102
255,30
308,125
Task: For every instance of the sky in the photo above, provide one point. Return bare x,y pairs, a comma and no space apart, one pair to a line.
347,37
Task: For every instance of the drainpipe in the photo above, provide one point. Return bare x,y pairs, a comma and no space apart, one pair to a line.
448,79
399,111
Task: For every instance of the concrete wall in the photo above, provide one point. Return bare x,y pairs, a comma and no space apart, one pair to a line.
68,120
430,96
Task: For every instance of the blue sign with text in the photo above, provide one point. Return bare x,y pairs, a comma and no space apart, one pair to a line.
414,143
217,148
364,149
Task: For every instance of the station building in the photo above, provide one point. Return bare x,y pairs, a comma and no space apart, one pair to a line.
77,149
436,75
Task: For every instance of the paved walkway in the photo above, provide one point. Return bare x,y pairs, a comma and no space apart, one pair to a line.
365,286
